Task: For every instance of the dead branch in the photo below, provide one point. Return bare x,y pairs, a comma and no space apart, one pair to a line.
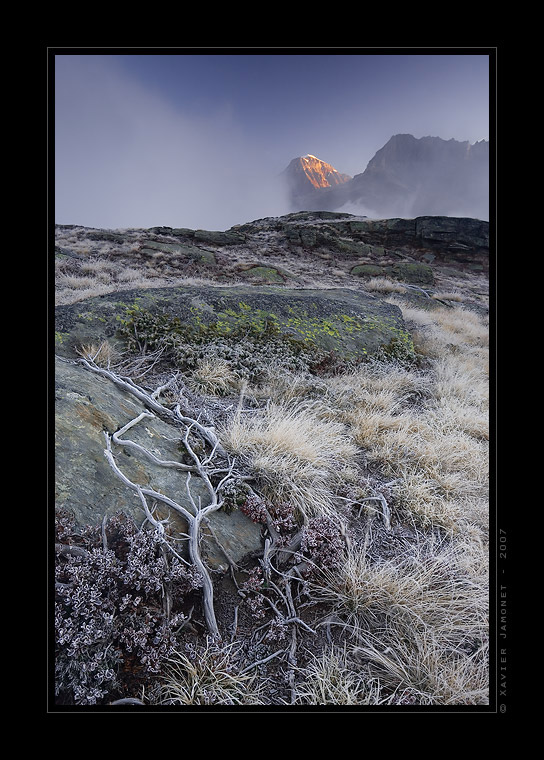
261,662
194,522
200,467
148,454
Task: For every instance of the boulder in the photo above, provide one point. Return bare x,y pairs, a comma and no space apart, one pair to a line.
368,270
86,406
350,324
412,272
264,274
212,237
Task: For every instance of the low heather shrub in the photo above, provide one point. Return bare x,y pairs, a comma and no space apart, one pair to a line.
323,543
118,606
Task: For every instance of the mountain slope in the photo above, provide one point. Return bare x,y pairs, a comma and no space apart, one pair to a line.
206,381
411,177
308,173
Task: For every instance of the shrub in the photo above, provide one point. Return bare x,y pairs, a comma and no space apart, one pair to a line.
112,626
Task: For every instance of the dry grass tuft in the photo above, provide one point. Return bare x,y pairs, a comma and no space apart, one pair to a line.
332,679
297,455
448,296
383,285
208,677
213,376
419,671
418,621
102,354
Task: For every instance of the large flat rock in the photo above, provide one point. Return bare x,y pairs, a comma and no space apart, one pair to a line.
349,323
86,406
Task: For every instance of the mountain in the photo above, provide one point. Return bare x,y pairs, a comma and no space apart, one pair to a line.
409,177
306,174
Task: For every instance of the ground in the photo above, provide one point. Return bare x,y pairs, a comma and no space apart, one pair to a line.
395,449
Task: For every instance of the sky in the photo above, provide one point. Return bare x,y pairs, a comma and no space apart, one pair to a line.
198,140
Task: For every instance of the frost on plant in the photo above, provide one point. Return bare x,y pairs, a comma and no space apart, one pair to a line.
118,606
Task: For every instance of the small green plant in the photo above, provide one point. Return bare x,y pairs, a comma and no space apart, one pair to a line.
217,354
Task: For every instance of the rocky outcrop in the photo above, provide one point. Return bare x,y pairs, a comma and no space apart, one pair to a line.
442,240
349,324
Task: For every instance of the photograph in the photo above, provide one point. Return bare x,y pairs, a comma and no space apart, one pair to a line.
271,333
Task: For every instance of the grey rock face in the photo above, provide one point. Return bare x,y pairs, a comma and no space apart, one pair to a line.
86,406
351,324
409,177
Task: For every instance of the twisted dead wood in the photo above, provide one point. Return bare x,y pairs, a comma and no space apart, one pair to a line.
201,467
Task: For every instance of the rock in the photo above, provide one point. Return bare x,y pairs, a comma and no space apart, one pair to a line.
87,405
453,232
184,250
66,252
108,235
308,237
264,274
413,272
407,271
219,238
353,325
367,270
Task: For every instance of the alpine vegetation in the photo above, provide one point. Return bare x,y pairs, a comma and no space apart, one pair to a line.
272,451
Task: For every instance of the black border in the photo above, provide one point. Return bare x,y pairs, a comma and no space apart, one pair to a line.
500,538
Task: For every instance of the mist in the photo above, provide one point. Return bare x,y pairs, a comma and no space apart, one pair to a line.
201,141
125,157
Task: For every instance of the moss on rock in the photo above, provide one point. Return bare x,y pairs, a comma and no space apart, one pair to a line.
349,324
265,274
367,270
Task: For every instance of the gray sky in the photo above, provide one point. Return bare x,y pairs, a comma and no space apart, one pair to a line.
198,141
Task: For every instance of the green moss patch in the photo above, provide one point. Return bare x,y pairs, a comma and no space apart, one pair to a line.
344,323
265,274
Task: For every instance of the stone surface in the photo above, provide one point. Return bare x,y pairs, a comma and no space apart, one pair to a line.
264,274
87,405
349,323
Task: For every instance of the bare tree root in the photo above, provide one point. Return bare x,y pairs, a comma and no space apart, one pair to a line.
215,469
203,467
150,400
281,598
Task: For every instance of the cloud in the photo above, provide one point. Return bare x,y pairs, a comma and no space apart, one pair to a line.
124,157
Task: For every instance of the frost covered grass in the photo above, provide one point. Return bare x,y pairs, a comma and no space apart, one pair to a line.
213,376
207,675
296,454
416,622
405,607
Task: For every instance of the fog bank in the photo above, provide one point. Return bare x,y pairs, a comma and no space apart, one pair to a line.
124,157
